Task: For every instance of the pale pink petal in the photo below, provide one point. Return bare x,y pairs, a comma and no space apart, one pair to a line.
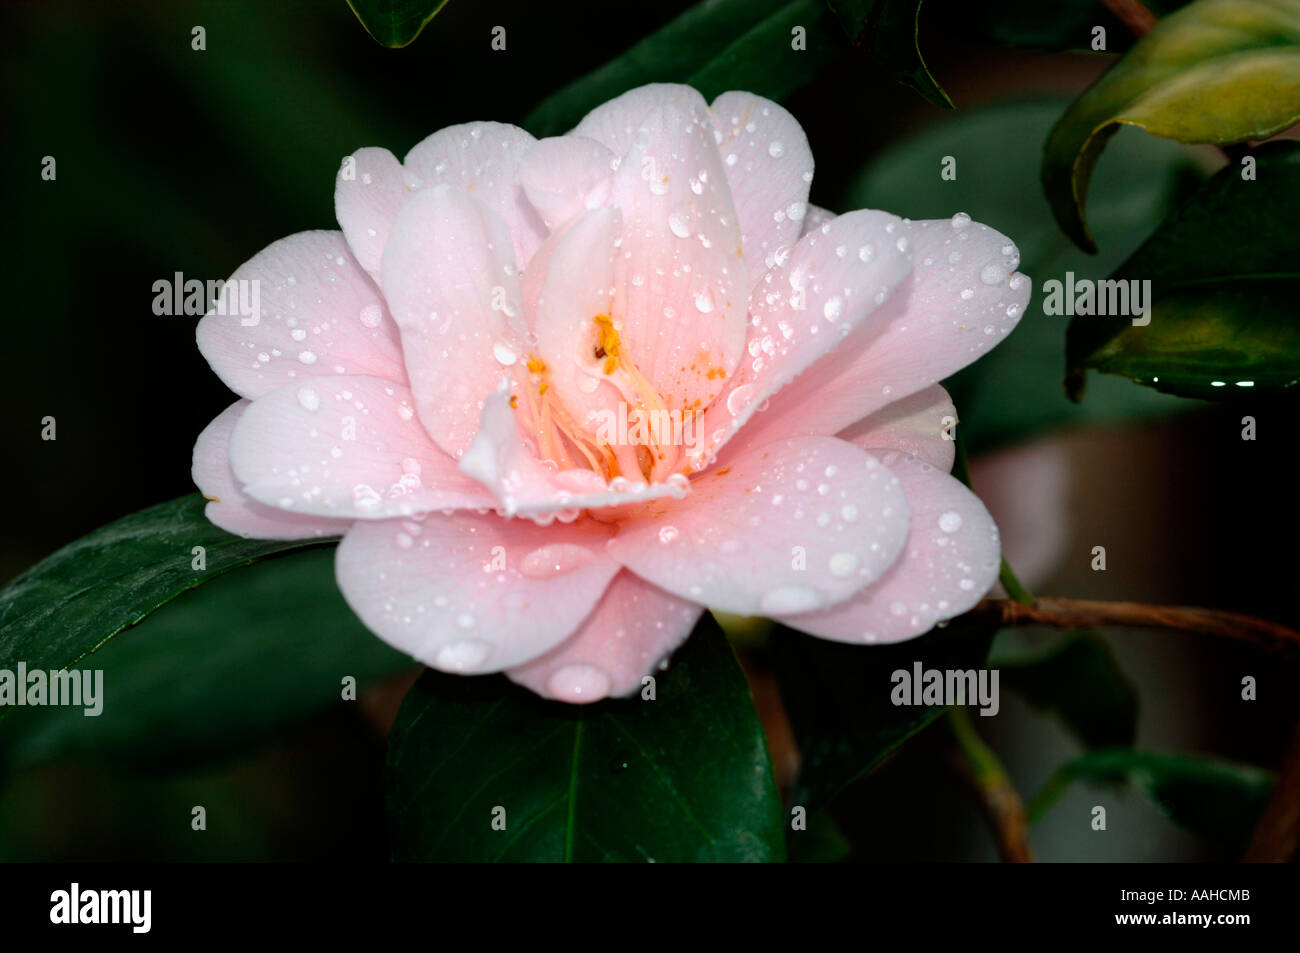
615,123
921,425
791,526
681,285
769,170
815,218
579,286
347,447
473,592
633,628
965,297
950,561
368,193
482,159
524,486
450,279
320,314
566,175
232,509
807,306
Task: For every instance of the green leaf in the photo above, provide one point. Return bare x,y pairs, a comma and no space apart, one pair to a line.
1216,799
838,699
715,46
683,777
1225,277
1014,392
1079,680
216,672
890,31
1218,71
395,23
74,601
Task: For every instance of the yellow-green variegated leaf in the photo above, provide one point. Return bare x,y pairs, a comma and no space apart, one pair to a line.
1217,71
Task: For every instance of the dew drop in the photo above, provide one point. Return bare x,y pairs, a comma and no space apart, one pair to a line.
843,565
308,399
579,683
459,656
785,599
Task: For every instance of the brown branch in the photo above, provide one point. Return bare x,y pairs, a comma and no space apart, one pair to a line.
1277,836
1087,613
1133,14
998,798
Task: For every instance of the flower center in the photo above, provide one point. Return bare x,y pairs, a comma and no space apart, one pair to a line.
638,442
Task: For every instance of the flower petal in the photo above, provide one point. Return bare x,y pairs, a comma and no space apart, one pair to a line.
564,176
233,510
950,561
482,159
815,218
473,592
615,123
681,285
791,526
579,286
769,169
451,283
368,193
320,314
633,627
833,282
964,298
348,447
921,425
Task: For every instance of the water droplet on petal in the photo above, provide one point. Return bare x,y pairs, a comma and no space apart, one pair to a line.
843,565
504,354
785,599
459,656
579,683
554,560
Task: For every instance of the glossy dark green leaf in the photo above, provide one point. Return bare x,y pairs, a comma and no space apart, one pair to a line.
1079,680
1225,278
395,23
889,30
838,699
683,777
216,671
1219,71
1216,799
715,46
1014,392
74,601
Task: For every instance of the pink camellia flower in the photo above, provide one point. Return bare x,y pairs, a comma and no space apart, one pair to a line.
559,396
